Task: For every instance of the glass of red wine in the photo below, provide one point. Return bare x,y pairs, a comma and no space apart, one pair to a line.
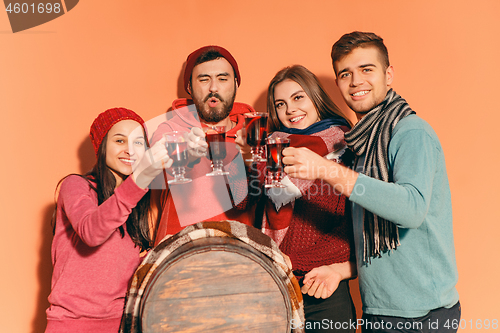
216,139
275,165
255,131
176,145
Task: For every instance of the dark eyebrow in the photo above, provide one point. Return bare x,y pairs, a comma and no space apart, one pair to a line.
125,136
297,92
342,71
362,66
208,75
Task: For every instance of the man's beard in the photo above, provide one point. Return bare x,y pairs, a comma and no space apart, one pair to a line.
214,114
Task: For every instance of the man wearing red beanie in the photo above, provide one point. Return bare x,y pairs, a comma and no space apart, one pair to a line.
211,78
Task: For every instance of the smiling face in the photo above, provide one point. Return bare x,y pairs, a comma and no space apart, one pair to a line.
293,107
362,79
125,147
213,89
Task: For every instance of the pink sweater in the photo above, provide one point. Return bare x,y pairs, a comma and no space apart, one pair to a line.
92,263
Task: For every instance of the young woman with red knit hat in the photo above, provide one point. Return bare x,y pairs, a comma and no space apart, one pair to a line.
101,226
309,220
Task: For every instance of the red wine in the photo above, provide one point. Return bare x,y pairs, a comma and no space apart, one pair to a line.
275,156
216,145
256,128
178,152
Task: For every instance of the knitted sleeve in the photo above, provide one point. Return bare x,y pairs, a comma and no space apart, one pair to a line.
94,224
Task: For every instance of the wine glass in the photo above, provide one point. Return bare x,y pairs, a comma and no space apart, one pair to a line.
216,139
275,165
255,131
176,145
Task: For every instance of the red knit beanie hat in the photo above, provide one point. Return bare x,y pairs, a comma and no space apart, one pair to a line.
103,123
191,60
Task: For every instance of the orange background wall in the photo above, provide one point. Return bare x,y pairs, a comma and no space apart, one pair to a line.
55,78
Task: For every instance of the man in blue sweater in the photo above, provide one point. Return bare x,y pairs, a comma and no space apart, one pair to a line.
400,195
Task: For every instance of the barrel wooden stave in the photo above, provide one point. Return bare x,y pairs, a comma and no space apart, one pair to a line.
216,285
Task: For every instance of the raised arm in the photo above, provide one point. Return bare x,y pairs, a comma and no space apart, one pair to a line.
403,201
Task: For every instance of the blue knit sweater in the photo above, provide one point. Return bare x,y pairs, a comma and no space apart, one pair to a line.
421,274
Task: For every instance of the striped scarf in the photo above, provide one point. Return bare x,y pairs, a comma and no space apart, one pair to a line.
371,136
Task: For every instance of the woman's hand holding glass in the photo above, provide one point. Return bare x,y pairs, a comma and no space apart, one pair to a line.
154,160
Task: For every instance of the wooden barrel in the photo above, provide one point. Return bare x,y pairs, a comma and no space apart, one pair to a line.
216,284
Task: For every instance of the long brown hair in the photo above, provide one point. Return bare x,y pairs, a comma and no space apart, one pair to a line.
102,181
324,105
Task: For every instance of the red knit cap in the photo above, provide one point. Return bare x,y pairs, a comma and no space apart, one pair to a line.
191,59
103,123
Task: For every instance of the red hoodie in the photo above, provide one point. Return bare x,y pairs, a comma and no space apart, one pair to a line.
205,198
